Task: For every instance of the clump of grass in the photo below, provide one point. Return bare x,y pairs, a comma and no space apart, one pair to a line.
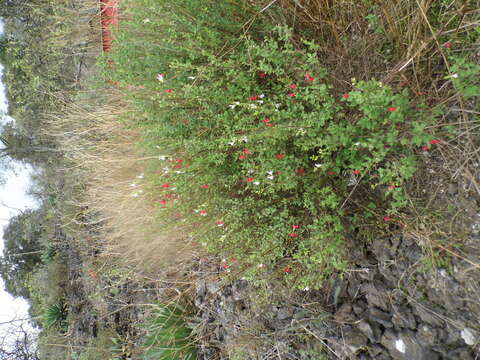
167,335
112,174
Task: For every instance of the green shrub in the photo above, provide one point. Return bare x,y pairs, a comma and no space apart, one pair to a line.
168,335
259,152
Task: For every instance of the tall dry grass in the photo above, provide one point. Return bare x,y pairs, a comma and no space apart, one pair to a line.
117,199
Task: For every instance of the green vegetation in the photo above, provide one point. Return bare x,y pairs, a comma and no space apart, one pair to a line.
277,137
168,336
265,156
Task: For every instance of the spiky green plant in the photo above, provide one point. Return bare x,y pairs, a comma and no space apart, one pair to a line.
168,335
55,315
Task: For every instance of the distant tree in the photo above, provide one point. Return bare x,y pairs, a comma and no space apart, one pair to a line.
22,252
18,341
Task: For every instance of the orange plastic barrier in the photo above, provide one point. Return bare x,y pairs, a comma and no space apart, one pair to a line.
109,13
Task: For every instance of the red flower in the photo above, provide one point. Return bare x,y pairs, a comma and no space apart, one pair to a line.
425,148
294,227
206,186
247,151
387,218
434,142
203,212
301,171
169,91
242,157
280,156
262,74
253,98
178,214
163,202
178,160
225,266
308,77
169,196
293,86
292,95
448,45
391,187
392,109
185,121
220,223
287,270
167,185
331,172
249,179
293,235
356,172
345,96
266,120
269,124
178,166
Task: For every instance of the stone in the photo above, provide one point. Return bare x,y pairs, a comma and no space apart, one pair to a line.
404,318
238,289
359,307
344,314
426,335
212,287
427,315
284,313
377,295
405,346
460,354
351,343
469,336
380,317
366,329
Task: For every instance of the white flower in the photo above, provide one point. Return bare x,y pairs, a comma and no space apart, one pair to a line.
180,172
161,77
270,172
135,195
163,157
234,105
146,21
191,77
261,265
141,176
244,139
133,185
262,96
454,76
306,289
357,144
231,143
277,105
251,171
253,106
318,165
260,101
256,183
270,177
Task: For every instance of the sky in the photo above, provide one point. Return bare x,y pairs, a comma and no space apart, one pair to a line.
13,199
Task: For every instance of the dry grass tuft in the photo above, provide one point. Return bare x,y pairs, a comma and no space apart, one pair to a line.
116,200
395,41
